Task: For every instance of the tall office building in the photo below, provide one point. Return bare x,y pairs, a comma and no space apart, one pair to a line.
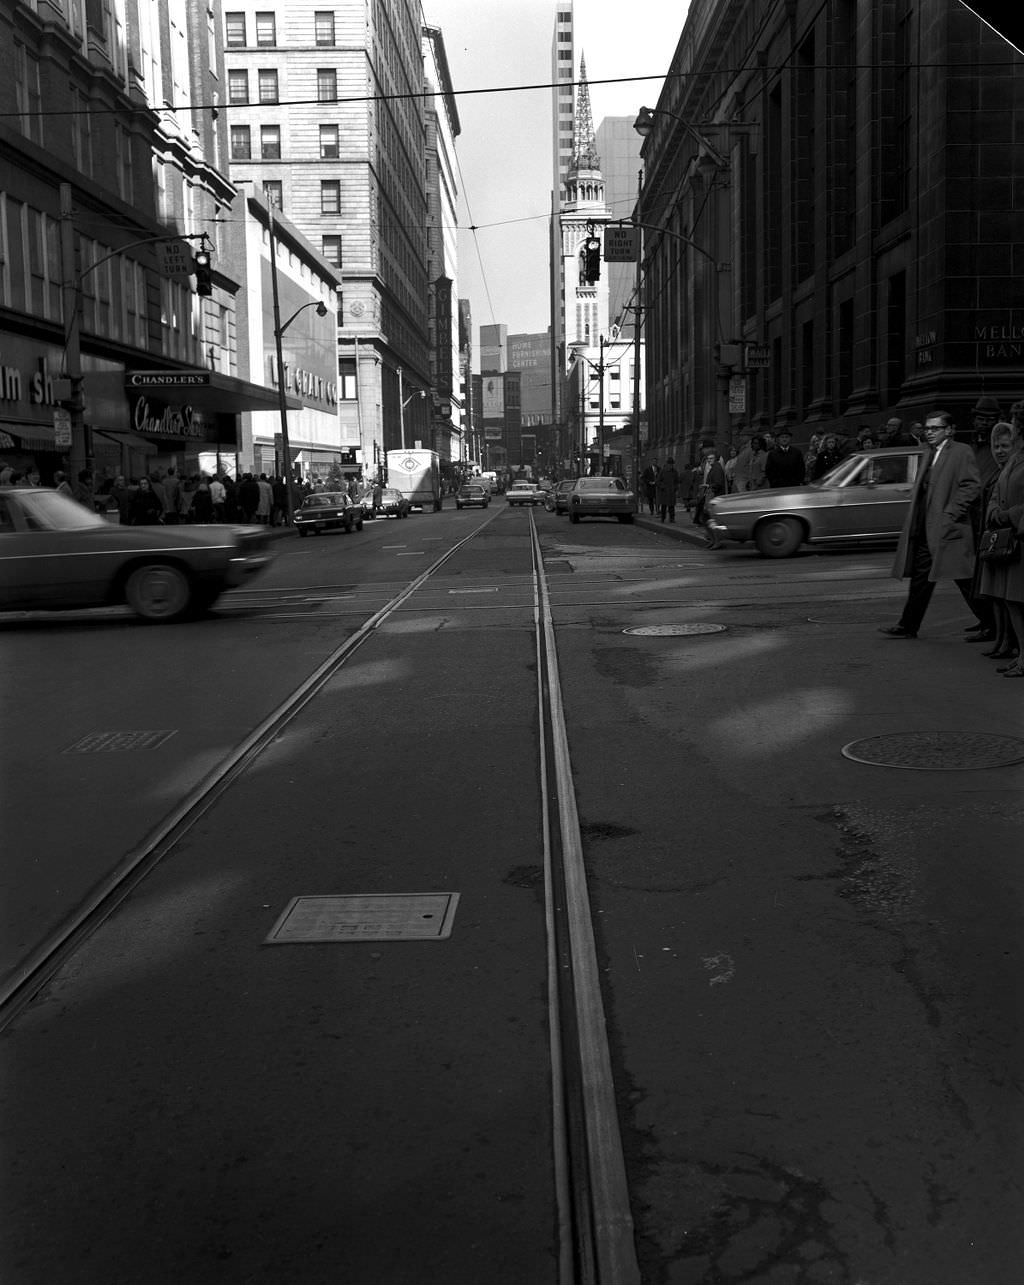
618,145
327,119
563,62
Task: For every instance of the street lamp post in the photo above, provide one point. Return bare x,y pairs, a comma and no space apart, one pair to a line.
403,402
279,329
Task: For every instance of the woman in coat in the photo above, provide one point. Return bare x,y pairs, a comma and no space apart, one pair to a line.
145,508
1005,580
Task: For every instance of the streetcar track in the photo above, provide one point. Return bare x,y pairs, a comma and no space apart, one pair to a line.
595,1222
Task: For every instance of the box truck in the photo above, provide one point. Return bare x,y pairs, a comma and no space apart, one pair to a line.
417,474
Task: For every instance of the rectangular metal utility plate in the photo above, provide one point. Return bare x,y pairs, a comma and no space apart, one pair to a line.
383,916
118,742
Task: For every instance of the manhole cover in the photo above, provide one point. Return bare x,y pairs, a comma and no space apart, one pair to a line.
937,751
674,631
409,916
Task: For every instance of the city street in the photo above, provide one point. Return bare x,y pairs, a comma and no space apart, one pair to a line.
809,963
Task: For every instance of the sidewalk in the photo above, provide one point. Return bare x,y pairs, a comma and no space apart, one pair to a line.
681,529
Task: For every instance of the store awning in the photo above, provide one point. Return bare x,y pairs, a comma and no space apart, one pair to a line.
208,391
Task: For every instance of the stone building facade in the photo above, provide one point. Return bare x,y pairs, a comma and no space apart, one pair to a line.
327,121
833,205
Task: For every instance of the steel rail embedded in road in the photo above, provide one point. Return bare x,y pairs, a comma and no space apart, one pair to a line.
601,1215
596,1244
32,973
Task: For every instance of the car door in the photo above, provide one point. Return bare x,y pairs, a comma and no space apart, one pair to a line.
48,563
872,500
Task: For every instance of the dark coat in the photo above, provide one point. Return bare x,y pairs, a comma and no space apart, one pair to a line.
145,508
953,485
667,485
1006,507
784,467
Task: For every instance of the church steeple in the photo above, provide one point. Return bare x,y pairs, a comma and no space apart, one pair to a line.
584,144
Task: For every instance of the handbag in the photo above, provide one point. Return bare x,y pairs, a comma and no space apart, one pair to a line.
999,544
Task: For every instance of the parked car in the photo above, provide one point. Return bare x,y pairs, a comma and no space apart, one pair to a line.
328,511
524,493
557,499
55,555
864,499
472,495
601,497
392,504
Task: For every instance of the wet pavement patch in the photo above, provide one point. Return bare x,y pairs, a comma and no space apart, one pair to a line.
937,751
410,916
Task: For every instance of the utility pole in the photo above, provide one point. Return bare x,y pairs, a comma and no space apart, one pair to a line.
401,408
282,393
81,437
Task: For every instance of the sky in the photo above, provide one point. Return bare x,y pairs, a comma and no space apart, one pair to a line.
504,148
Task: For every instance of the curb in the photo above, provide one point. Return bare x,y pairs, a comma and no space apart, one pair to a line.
679,530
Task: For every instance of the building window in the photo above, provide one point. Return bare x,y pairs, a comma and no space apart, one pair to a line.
331,250
273,193
238,86
270,142
266,29
323,22
326,85
123,156
330,196
27,91
241,143
329,146
234,26
347,379
268,85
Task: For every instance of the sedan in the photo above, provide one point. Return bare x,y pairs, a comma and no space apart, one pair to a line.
601,497
864,499
471,495
524,493
328,511
56,555
392,504
557,499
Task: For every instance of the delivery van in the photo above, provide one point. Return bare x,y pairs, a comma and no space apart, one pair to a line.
417,474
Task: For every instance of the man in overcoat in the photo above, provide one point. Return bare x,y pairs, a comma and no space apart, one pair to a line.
937,540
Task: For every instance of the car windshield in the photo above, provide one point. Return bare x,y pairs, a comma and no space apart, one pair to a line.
600,484
322,501
46,510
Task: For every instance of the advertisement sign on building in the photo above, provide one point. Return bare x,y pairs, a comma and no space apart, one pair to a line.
494,397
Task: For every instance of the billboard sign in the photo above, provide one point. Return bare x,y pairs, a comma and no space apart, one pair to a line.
494,397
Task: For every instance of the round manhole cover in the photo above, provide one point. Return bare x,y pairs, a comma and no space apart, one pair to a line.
937,751
674,631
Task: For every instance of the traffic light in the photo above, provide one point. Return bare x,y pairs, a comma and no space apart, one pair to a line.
592,259
203,268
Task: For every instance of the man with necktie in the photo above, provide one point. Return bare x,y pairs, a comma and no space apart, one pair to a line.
937,540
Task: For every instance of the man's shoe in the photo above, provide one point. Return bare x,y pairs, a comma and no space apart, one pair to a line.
895,631
986,635
979,628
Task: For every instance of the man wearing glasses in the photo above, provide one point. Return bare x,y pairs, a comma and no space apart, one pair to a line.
937,540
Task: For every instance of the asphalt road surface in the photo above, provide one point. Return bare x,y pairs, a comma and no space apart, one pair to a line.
808,963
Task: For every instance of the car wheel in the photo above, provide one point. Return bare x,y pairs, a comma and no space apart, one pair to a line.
778,537
159,592
359,524
458,505
574,517
302,533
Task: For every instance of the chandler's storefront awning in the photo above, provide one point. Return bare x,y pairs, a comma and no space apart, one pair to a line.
209,391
